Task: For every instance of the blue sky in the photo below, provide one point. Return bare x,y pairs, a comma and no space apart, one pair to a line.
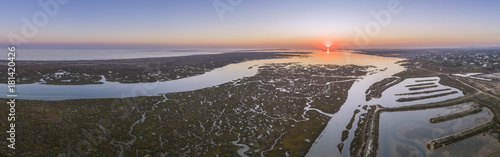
254,23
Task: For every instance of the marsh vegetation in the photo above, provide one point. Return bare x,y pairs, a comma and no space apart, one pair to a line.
281,110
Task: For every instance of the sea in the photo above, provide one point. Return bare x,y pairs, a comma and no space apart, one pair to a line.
108,54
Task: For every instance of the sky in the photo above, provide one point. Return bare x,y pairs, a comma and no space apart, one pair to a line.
250,23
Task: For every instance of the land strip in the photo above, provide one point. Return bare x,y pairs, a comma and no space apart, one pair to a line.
420,84
423,92
451,116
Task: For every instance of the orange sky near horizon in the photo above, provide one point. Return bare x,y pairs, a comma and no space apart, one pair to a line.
257,24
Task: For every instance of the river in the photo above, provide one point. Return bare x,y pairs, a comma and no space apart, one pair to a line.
326,143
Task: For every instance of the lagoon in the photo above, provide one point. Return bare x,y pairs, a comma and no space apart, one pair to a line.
209,79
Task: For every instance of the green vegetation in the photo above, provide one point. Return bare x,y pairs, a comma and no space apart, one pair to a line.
423,92
425,97
129,70
424,87
448,81
370,134
359,137
458,60
420,84
455,115
349,126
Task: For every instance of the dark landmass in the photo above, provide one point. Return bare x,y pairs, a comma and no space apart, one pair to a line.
420,84
376,89
454,60
424,87
424,92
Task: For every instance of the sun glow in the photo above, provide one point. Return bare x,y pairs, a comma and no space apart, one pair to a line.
326,44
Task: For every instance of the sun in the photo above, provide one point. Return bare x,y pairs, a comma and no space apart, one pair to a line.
327,44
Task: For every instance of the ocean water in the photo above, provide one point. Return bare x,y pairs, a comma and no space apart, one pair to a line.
106,54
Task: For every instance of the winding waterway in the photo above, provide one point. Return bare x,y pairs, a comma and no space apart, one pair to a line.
326,143
209,79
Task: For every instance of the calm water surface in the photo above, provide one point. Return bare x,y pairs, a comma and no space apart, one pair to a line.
106,54
326,143
215,77
406,133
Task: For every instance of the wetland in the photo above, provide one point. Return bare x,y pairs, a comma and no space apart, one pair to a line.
278,103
